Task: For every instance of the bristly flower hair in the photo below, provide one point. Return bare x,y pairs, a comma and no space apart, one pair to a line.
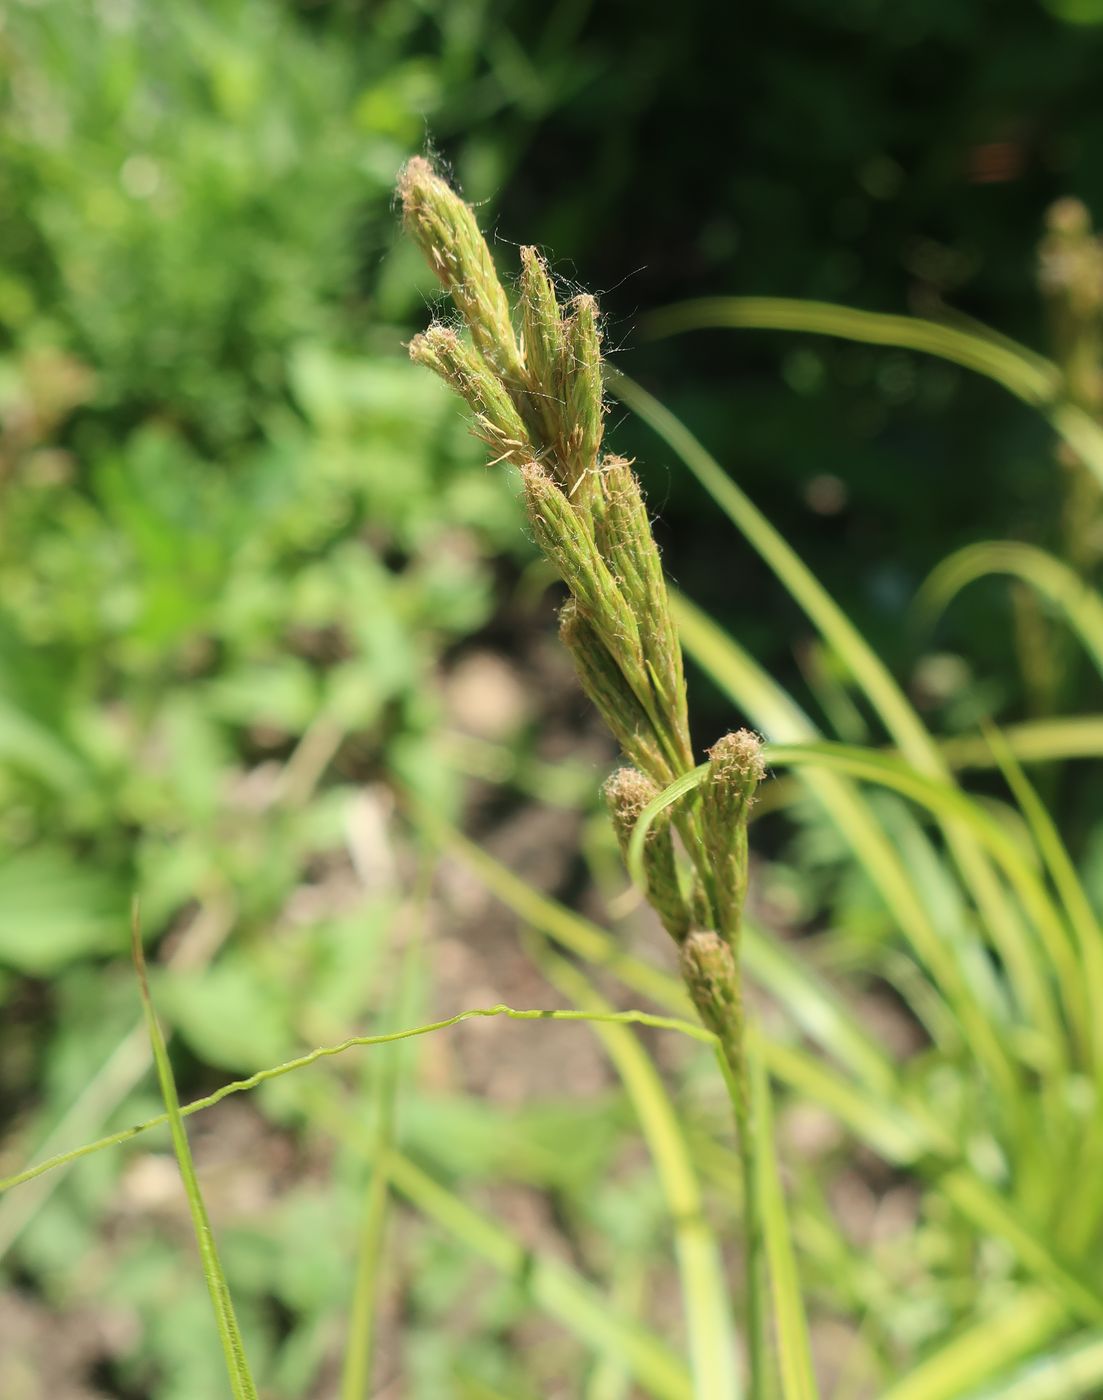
535,393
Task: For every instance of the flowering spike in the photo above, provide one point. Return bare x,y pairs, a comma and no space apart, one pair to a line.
446,231
461,366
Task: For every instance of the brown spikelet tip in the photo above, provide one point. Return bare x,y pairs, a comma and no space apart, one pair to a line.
627,792
537,480
739,754
706,951
439,334
414,176
435,347
584,302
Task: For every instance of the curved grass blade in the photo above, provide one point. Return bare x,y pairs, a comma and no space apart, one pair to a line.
704,1288
1029,376
813,1007
1078,910
551,1284
984,1350
1071,1372
1081,1210
1052,579
774,712
1032,741
911,1134
1025,374
237,1367
798,1379
899,1128
669,795
950,803
901,720
894,1123
262,1076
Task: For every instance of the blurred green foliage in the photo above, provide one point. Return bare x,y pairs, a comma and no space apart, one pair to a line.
240,532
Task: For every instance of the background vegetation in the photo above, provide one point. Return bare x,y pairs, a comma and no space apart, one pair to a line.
261,603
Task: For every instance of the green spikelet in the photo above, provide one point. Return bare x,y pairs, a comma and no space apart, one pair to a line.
611,696
544,347
496,421
566,537
623,535
735,770
584,404
711,974
446,231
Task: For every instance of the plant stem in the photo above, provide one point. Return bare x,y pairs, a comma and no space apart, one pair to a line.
712,974
733,1063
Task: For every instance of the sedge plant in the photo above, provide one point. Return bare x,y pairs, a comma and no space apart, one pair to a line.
984,928
532,377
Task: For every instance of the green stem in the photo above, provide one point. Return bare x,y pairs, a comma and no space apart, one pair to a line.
712,976
733,1062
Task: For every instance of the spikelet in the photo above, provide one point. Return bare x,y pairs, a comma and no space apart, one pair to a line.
446,231
736,768
627,792
623,535
460,365
544,343
583,400
539,404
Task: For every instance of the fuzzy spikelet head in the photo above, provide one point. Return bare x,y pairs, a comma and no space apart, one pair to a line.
540,404
448,234
710,971
543,337
627,792
736,762
736,767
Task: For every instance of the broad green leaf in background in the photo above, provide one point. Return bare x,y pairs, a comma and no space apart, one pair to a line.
54,908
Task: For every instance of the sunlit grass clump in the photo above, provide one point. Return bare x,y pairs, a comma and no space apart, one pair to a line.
972,913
